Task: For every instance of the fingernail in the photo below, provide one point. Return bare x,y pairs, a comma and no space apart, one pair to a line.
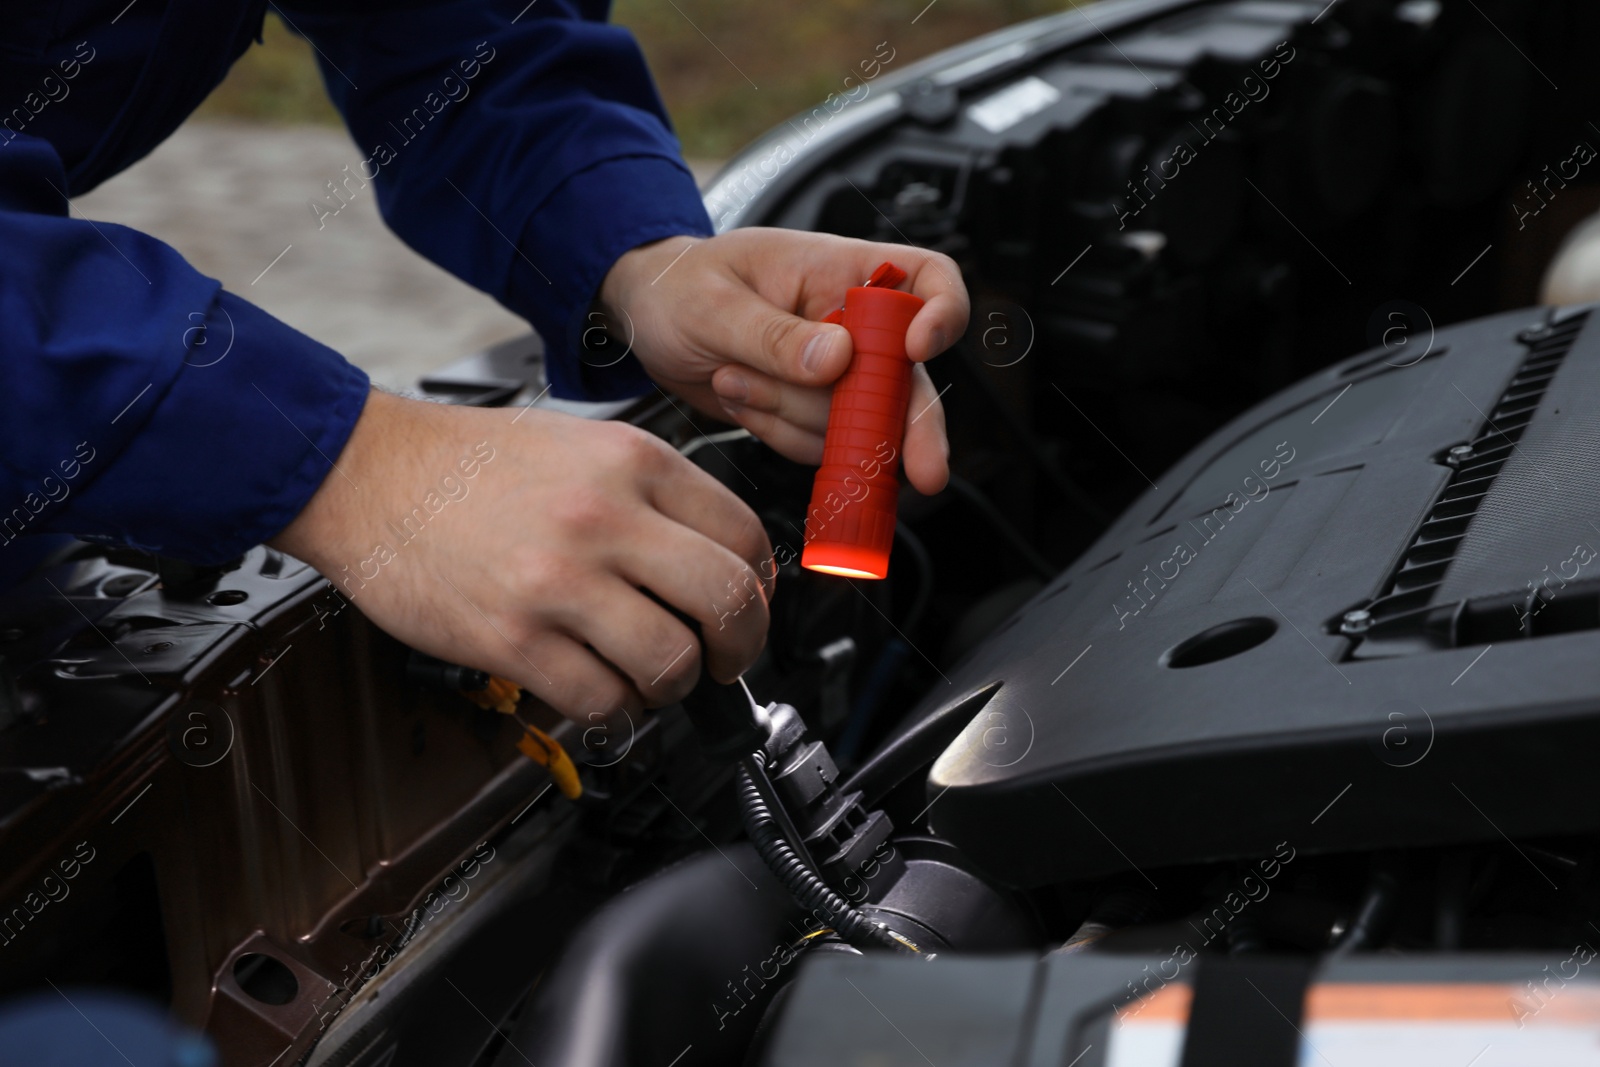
732,407
940,341
733,386
815,351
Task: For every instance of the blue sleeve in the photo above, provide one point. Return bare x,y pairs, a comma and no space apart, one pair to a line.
521,146
145,405
47,1030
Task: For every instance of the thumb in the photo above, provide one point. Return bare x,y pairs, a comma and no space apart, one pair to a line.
752,331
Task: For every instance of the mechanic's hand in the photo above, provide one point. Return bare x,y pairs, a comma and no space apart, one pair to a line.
532,567
731,327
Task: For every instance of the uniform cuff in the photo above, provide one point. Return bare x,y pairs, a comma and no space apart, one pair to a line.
626,202
235,447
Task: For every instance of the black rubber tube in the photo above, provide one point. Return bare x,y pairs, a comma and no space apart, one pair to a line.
975,499
810,891
787,830
1372,918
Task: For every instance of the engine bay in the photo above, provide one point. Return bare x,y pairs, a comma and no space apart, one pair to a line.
1228,660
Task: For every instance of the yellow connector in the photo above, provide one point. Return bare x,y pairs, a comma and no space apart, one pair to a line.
548,753
502,696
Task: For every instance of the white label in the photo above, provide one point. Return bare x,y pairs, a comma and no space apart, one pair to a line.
1003,110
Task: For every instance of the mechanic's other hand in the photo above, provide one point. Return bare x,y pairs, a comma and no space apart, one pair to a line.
532,567
730,324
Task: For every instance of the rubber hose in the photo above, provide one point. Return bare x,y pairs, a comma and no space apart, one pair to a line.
1377,908
810,891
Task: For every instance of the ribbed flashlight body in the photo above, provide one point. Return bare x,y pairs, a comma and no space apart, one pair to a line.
850,523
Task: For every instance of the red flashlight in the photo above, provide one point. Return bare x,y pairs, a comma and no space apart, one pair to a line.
850,523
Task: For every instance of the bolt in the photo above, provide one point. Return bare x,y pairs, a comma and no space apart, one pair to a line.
1358,621
1458,455
159,646
1534,333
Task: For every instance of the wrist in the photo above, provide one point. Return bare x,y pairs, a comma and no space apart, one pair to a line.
320,532
636,270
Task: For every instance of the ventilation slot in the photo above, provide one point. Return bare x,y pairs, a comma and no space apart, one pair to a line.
1404,618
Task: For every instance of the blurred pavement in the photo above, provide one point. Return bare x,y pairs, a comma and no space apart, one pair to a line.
232,198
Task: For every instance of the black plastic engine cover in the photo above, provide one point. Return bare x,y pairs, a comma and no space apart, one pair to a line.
1185,692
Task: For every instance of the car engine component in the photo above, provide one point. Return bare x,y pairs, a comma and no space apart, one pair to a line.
1343,593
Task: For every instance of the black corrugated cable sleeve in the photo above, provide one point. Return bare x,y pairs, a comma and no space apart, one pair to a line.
810,891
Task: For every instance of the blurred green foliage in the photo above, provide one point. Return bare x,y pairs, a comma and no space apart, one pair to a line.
727,71
707,53
276,82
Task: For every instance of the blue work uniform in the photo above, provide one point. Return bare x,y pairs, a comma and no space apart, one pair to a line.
519,145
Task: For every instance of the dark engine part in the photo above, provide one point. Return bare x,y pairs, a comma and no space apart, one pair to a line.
941,903
637,975
794,815
1303,613
835,829
804,882
828,848
688,957
1151,1010
822,841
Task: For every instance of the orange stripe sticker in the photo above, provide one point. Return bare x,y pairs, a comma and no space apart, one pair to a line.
1169,1004
1447,1002
1330,1002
